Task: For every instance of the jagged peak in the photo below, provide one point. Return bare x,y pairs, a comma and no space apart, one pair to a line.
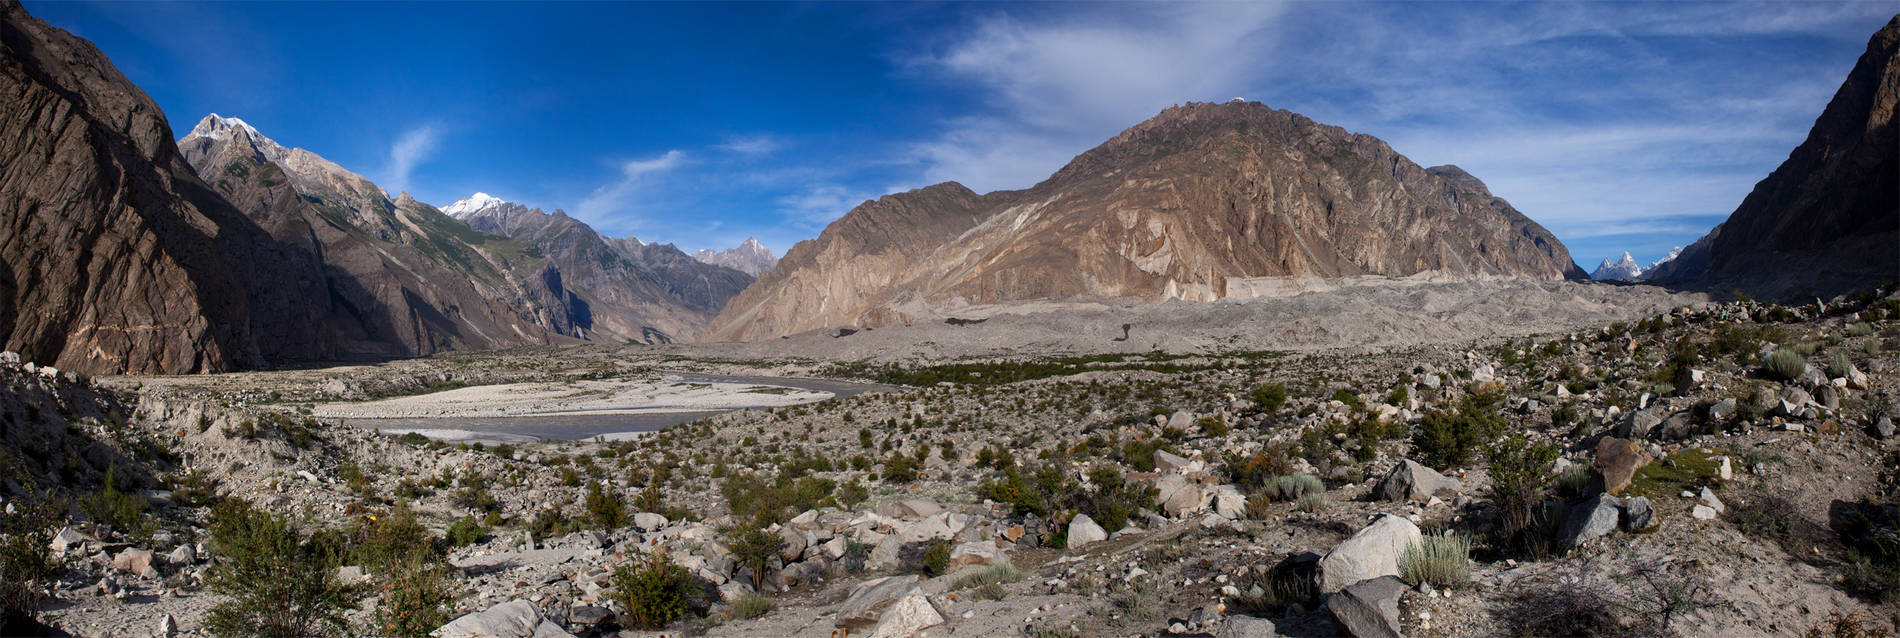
472,204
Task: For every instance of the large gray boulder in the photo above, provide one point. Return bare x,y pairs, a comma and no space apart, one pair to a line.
513,619
1176,495
1246,627
911,614
1084,530
1370,553
869,599
1590,519
1369,608
977,553
1411,481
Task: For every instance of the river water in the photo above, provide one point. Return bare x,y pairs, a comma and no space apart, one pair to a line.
578,427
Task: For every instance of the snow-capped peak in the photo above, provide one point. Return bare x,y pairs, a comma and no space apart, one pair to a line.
750,257
220,128
1626,269
472,204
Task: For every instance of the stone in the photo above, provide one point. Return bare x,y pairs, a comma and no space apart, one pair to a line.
1169,463
351,575
1703,512
68,538
912,509
548,629
1369,553
732,590
513,619
1176,495
836,547
1811,377
1639,424
1229,503
135,561
1083,531
1726,470
887,553
1883,427
1708,498
1617,461
1412,481
868,600
649,521
1828,397
1637,514
1722,410
977,553
941,525
793,544
1369,608
910,615
1857,379
1590,519
1246,627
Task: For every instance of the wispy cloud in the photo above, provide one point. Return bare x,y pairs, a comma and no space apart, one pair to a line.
819,205
408,151
615,197
752,144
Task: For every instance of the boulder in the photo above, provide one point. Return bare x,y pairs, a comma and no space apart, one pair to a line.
1639,424
1828,397
1083,531
68,538
911,509
1590,519
869,599
1246,627
911,614
1229,502
1883,427
1617,461
1168,463
887,553
1370,553
1181,419
977,553
940,525
1708,498
513,619
1176,495
1637,514
1722,410
1702,512
135,561
1369,608
649,521
181,555
1411,481
792,545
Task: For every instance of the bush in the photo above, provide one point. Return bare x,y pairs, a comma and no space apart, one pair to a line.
899,468
1517,488
1784,364
937,558
604,510
1269,597
654,593
1449,438
415,596
118,511
1293,487
281,584
466,531
387,540
750,605
1256,470
1269,397
1848,625
1312,502
549,523
1443,560
1838,366
753,549
27,562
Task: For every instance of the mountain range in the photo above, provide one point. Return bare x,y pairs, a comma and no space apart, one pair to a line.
749,257
1202,202
1626,269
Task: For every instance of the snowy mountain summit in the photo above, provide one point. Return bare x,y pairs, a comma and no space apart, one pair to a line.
464,207
749,257
1626,269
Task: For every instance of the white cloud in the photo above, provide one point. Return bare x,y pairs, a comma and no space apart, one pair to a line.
752,144
613,197
819,205
408,151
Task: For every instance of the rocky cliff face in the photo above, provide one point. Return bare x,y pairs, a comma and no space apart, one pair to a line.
631,291
114,257
1827,220
1202,202
749,257
394,277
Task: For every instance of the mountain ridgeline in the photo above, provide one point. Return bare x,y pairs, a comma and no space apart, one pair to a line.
1827,221
1202,202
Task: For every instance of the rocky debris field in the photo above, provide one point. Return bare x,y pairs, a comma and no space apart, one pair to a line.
1715,469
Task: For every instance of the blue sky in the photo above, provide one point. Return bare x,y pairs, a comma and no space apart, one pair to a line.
1618,126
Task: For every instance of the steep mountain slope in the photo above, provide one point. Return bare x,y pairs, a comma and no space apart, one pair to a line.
749,257
1202,202
1828,219
625,290
396,277
114,257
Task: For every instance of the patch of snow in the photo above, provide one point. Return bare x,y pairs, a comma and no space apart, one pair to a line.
472,204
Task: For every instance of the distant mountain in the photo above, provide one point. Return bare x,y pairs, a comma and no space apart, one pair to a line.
1626,269
1827,221
396,277
631,290
114,256
749,257
1202,202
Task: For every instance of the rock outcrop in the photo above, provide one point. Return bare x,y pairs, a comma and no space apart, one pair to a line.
1826,221
114,257
1202,202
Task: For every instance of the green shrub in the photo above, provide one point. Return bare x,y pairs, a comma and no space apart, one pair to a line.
654,593
1281,588
396,536
753,549
280,583
549,523
466,531
27,561
1269,397
1784,364
117,510
604,510
1312,502
937,558
1256,470
1347,397
1440,559
1859,329
1292,487
414,596
1838,365
751,605
1517,487
1449,438
899,468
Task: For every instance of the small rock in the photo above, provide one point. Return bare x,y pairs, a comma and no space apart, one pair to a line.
1883,427
135,561
1702,512
1590,519
1708,498
1411,481
1637,514
1369,608
1617,460
167,627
